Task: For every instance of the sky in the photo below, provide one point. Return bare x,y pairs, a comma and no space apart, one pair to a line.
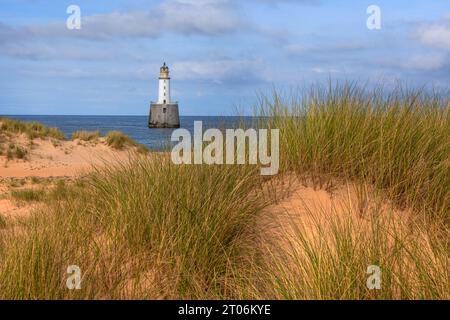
221,53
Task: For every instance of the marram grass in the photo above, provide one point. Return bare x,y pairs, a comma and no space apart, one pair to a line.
31,129
86,135
149,229
145,230
399,142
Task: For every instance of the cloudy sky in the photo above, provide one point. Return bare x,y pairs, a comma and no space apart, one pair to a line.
221,52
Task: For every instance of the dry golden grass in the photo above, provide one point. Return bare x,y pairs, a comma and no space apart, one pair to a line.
86,135
31,129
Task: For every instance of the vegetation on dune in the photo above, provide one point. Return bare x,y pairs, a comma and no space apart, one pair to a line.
152,229
398,142
19,152
2,147
3,223
86,135
142,149
31,129
115,139
118,140
15,151
28,195
52,191
328,254
154,239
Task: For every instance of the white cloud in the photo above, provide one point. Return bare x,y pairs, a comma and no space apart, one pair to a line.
295,49
436,35
58,51
204,17
325,70
277,2
427,62
200,16
217,70
212,70
54,41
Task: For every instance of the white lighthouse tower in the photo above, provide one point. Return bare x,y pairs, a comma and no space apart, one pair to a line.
164,113
164,85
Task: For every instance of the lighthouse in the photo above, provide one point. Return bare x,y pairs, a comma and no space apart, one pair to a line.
164,112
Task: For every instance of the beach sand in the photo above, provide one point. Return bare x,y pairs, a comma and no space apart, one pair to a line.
47,158
50,160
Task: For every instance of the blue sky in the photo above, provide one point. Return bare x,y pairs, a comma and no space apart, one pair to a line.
222,53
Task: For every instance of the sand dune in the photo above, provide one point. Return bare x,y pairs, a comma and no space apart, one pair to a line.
51,160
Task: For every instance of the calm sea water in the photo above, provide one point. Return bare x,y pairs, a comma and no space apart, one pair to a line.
134,126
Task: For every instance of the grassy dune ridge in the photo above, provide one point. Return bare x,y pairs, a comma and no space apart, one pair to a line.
31,129
151,229
12,129
399,142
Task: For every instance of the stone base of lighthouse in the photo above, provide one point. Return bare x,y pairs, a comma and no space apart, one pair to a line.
164,116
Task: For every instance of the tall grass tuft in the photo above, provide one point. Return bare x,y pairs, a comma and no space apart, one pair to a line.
149,229
397,141
119,140
86,135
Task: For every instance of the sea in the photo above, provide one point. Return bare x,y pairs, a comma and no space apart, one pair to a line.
134,126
